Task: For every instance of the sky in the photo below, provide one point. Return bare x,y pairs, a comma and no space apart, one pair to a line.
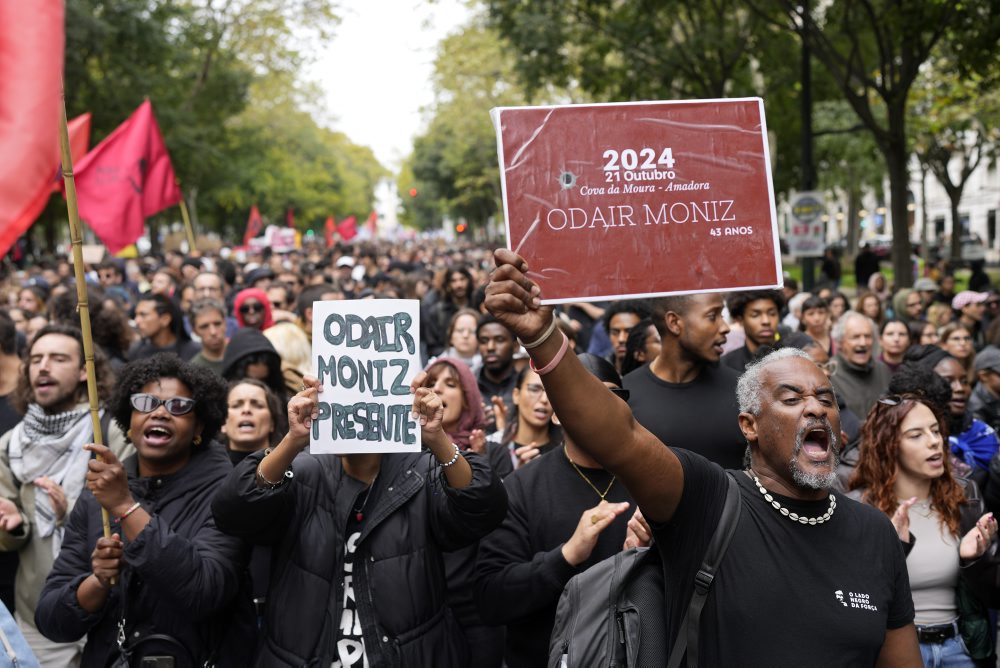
376,71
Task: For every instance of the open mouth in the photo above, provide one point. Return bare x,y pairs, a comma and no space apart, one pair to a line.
816,444
936,460
719,346
157,435
246,426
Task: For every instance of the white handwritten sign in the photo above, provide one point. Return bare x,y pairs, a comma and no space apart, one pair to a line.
365,354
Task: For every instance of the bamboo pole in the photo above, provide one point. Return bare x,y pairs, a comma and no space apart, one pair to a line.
76,237
187,225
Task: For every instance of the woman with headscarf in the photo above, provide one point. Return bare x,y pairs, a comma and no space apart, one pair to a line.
253,309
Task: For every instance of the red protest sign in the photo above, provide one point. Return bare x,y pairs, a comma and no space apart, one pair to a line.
610,201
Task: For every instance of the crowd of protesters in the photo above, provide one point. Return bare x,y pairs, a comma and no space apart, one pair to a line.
231,545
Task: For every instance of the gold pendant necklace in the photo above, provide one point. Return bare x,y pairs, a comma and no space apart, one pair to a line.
587,480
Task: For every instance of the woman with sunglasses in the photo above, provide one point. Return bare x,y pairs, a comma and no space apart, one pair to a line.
904,471
167,579
531,430
358,541
564,515
253,309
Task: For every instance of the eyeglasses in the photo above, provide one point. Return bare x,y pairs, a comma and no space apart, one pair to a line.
147,403
251,308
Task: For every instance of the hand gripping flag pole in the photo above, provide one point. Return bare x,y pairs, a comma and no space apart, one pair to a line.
76,237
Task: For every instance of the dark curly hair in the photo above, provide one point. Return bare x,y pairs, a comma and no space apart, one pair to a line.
879,461
737,302
207,389
109,325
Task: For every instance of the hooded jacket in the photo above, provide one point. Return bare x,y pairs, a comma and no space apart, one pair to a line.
184,577
259,295
245,342
398,574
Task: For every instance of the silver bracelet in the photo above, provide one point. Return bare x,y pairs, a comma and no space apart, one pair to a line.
543,338
458,453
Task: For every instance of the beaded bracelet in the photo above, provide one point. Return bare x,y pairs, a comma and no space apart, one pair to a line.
458,453
548,368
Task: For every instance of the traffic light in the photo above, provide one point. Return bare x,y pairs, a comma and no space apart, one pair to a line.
460,228
413,192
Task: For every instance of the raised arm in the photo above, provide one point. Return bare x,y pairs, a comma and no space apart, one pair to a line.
598,422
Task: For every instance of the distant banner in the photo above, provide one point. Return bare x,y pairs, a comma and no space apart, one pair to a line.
612,201
806,236
365,354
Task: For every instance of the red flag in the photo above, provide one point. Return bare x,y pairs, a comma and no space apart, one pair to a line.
372,224
125,179
290,217
79,138
348,228
31,58
254,225
79,142
330,228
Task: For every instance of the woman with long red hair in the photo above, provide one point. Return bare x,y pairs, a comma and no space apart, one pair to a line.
904,471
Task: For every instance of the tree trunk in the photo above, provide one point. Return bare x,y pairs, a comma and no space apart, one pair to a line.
925,236
954,198
896,162
853,223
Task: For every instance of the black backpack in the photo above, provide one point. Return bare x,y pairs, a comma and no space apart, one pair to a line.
614,613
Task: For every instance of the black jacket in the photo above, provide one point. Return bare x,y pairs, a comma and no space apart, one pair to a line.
398,579
185,578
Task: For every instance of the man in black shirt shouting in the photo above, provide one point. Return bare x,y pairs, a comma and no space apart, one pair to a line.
810,578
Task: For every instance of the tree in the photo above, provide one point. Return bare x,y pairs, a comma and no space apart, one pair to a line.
955,127
454,162
846,159
874,50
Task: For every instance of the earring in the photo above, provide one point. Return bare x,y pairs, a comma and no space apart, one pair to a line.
197,440
128,435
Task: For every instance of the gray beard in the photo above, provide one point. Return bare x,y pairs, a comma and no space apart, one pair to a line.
818,481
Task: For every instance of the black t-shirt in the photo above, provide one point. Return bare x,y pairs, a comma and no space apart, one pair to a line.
701,416
786,594
521,570
350,650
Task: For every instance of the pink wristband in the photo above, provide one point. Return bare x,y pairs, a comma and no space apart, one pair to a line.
554,362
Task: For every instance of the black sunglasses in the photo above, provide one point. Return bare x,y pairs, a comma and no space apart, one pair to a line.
251,308
147,403
620,393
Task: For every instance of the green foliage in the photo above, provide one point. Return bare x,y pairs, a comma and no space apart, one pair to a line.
454,162
222,77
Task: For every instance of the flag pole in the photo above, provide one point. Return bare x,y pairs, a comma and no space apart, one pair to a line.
187,223
81,288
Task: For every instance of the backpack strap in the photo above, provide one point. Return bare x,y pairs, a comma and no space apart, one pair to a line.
687,635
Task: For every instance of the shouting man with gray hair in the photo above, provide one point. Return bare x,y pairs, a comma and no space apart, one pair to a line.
860,378
810,577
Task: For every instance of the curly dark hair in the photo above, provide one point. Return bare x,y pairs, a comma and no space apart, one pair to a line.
916,379
640,307
207,389
736,302
879,461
